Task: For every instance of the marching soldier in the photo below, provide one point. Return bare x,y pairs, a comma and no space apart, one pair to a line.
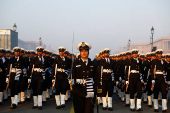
38,65
2,74
14,74
134,79
85,81
24,78
107,80
147,79
127,94
159,81
60,73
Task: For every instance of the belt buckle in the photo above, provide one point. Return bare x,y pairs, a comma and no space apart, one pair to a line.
62,70
39,69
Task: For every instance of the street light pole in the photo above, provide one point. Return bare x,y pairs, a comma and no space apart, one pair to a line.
40,40
152,32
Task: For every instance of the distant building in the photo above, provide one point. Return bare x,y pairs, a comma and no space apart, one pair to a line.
8,38
29,45
161,43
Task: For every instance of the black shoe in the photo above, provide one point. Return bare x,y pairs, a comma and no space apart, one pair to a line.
66,101
51,96
165,111
150,106
58,107
40,107
28,99
132,109
23,102
34,107
110,109
14,106
43,102
122,101
127,105
101,103
5,99
156,110
63,106
104,108
140,109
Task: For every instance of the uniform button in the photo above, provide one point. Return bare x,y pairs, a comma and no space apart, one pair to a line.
87,76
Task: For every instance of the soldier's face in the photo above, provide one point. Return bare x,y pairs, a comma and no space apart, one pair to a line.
159,56
61,53
128,56
135,55
84,53
17,53
21,53
7,54
31,55
1,54
149,57
39,53
168,59
106,54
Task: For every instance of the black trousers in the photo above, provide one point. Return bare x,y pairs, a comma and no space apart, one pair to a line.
23,83
37,84
61,86
14,86
135,86
2,83
160,85
82,104
107,86
148,87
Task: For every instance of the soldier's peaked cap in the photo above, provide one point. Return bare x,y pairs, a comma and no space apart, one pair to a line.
18,49
61,48
39,49
83,45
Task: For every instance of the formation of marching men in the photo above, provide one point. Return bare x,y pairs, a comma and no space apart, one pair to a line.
132,76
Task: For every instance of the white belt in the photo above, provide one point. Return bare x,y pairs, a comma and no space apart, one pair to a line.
81,81
61,70
134,71
38,69
107,70
158,72
13,70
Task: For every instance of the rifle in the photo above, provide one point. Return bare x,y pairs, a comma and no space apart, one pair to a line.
128,79
152,87
71,85
100,90
30,76
9,76
55,76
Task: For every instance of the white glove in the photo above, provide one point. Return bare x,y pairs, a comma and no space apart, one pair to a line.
142,81
7,80
168,82
29,80
53,81
117,82
120,78
153,81
127,82
123,80
112,78
145,83
16,78
43,77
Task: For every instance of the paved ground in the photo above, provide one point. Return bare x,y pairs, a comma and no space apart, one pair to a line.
49,107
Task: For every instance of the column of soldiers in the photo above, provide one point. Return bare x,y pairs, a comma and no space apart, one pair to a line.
133,76
136,77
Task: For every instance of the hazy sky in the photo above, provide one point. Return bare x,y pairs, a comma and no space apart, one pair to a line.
101,23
